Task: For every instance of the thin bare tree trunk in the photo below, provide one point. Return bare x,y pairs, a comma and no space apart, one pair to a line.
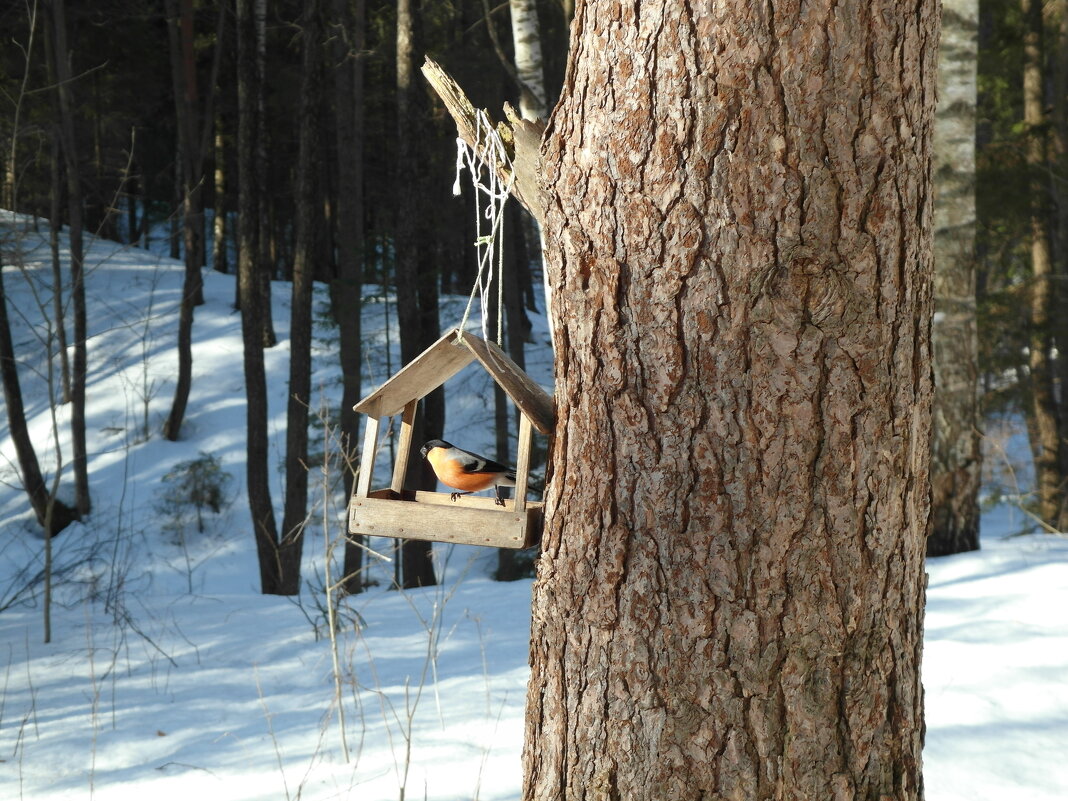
730,596
251,300
1048,478
265,261
347,289
219,255
1057,16
956,455
186,99
79,364
308,229
51,513
55,223
417,312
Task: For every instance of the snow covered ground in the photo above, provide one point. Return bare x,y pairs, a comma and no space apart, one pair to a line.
169,676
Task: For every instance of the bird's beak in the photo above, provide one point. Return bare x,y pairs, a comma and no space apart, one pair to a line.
422,451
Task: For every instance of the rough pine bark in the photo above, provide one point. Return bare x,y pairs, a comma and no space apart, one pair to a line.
956,453
729,601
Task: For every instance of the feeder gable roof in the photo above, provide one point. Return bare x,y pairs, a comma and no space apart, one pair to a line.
444,359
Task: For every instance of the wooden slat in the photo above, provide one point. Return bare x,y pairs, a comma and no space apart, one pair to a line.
526,163
445,499
522,465
531,399
404,446
367,457
425,373
458,524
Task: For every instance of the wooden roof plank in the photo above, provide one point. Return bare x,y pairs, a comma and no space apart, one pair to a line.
444,359
531,399
421,376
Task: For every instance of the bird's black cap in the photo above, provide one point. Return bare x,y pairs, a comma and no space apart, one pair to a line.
434,443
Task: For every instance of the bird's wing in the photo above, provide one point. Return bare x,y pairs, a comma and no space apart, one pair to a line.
473,463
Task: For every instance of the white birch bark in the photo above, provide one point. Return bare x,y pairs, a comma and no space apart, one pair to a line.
526,38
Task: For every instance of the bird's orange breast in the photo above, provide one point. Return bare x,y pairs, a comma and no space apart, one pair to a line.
451,474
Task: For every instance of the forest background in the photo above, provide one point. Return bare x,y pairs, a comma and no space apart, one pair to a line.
349,160
123,121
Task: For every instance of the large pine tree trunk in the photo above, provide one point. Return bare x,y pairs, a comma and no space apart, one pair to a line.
956,455
729,601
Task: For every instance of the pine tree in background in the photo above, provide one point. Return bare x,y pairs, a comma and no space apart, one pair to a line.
956,454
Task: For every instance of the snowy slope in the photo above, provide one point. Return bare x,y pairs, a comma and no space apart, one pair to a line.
169,676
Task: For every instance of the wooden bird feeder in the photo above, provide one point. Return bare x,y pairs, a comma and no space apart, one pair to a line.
396,512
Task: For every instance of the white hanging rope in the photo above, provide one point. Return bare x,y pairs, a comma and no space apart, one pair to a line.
495,194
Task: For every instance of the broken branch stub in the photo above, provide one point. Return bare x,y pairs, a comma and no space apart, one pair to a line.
522,140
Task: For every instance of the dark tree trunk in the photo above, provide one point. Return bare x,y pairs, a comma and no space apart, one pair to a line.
730,596
220,259
54,225
417,312
50,512
347,289
79,460
1048,477
251,299
308,228
516,324
183,70
265,261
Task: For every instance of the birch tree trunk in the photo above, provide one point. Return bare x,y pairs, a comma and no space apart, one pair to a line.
530,70
526,40
956,455
729,601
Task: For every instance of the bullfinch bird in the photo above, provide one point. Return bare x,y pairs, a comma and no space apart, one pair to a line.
466,471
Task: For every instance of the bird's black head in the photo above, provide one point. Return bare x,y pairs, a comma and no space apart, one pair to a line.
434,443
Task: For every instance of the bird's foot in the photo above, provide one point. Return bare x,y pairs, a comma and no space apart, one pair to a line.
499,501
